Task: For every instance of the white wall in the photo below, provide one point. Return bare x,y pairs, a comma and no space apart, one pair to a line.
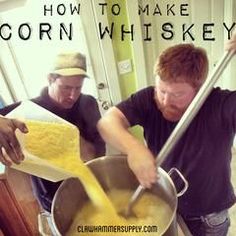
200,12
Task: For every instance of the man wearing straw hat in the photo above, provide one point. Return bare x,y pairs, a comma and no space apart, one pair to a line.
63,97
202,154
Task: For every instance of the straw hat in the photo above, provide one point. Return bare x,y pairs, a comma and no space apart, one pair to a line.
69,64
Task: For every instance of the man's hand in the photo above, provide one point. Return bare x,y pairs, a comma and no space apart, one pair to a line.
9,142
142,163
113,127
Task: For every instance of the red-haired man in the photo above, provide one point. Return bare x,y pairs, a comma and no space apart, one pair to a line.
203,154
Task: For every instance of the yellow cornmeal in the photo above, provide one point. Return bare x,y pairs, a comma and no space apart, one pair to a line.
59,145
52,141
150,210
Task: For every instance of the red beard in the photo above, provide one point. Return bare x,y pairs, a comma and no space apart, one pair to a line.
171,112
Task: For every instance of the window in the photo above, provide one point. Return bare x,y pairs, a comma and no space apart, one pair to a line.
33,57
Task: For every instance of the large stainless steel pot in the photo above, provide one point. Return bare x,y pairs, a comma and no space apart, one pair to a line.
111,172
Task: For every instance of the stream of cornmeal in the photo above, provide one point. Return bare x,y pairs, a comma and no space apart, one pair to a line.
59,145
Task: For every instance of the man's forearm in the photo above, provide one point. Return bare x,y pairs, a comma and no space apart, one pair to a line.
116,133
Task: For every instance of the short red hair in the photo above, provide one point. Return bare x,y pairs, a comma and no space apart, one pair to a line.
183,63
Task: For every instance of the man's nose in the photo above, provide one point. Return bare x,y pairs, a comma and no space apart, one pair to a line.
167,99
73,94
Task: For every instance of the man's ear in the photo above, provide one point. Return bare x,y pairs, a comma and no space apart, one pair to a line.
51,79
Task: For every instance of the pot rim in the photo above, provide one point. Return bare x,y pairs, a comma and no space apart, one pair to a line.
160,170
